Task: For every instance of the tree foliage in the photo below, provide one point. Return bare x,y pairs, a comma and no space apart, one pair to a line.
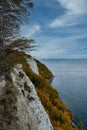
22,44
13,13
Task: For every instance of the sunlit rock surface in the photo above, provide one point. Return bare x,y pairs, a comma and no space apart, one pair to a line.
33,65
20,107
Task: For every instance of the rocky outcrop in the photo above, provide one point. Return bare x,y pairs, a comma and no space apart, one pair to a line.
20,107
33,65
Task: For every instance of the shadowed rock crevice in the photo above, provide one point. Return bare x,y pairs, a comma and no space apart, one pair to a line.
8,109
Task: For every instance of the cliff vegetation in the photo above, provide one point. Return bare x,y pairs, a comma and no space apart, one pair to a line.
59,115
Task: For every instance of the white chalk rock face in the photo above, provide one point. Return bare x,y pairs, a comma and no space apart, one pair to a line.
33,65
2,86
30,112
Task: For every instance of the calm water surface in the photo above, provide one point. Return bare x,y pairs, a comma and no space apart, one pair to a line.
71,82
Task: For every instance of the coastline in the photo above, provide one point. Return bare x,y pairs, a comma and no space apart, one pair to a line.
74,125
65,89
73,122
57,111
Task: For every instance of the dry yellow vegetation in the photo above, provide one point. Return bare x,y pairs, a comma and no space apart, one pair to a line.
59,115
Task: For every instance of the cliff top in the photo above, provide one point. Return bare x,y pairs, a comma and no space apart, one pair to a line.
38,74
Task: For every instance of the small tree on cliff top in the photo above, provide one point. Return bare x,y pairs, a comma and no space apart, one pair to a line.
13,13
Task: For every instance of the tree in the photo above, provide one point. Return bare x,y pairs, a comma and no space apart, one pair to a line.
13,13
22,44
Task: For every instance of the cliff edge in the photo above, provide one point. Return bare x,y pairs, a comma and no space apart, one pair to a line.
21,108
27,100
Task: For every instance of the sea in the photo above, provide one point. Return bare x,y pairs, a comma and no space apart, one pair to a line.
70,80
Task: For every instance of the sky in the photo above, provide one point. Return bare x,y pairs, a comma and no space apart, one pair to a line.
59,28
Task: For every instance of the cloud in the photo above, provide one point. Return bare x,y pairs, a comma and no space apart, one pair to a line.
30,30
61,47
74,11
67,41
74,6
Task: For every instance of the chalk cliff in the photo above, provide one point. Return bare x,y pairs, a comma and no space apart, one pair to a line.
27,99
20,107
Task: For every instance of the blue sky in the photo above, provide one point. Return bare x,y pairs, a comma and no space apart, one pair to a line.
59,28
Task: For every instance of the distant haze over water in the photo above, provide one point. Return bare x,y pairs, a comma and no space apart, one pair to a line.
71,82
